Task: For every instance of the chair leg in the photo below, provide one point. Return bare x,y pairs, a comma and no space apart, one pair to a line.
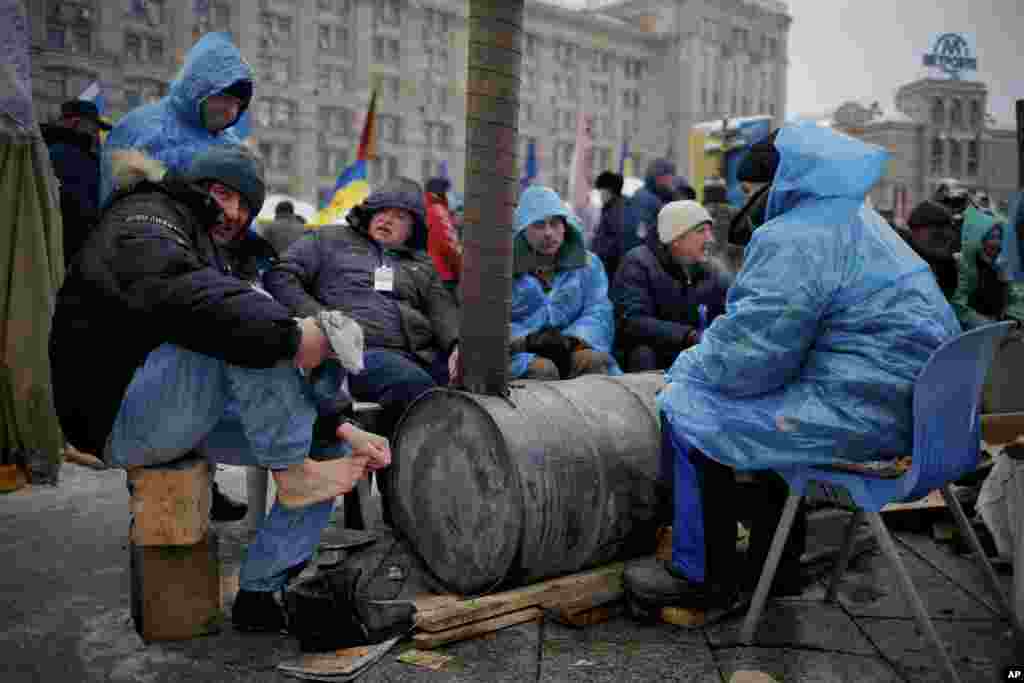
924,622
770,565
986,567
845,553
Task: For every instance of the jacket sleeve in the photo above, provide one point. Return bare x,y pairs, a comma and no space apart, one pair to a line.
596,324
761,343
965,286
293,277
443,313
637,310
157,272
608,237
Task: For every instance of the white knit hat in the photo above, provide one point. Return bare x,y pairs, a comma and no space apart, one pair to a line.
678,218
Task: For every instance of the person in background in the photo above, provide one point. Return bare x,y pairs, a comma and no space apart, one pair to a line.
722,215
158,350
805,367
931,234
562,322
982,294
754,174
682,190
443,243
642,209
608,238
74,145
285,229
660,289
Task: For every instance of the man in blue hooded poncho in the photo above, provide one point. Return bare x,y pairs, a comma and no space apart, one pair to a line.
826,328
562,324
208,97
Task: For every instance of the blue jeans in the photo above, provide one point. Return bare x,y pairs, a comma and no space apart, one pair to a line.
395,379
180,401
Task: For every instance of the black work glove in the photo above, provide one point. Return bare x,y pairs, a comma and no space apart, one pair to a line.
551,344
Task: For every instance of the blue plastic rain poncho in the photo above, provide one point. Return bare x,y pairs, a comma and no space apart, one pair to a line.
577,303
171,130
826,327
1010,257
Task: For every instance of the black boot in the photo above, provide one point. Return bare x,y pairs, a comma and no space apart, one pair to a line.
258,612
224,509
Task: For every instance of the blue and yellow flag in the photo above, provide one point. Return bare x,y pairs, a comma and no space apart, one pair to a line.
352,186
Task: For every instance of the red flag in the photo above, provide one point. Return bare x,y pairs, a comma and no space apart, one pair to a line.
368,139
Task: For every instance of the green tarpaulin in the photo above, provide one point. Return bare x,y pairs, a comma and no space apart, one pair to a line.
31,269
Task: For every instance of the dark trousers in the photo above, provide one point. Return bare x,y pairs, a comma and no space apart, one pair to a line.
708,503
645,357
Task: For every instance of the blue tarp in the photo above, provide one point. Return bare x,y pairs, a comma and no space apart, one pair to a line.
826,326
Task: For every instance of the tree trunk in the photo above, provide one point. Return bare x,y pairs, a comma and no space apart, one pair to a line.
492,184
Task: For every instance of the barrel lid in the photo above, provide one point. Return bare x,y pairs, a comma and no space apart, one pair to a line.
447,441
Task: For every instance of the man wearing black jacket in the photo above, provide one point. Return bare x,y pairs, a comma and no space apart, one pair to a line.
159,349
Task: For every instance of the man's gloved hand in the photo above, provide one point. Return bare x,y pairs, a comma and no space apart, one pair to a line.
551,344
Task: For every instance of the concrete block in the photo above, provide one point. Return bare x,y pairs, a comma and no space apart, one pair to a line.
170,504
176,590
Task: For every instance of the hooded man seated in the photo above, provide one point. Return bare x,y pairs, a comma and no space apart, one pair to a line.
826,328
208,97
562,323
158,349
661,286
375,269
983,294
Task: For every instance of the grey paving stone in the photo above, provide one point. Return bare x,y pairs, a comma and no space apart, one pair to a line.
624,650
509,655
870,589
797,623
789,665
980,650
964,569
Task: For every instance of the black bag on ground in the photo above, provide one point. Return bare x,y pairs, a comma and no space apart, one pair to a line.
366,599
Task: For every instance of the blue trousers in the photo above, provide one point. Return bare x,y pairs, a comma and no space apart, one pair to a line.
707,503
395,379
181,401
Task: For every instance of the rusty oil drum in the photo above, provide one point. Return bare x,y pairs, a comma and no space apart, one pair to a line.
558,477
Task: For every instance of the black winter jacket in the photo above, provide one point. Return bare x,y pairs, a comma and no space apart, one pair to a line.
333,268
148,275
77,167
656,301
608,240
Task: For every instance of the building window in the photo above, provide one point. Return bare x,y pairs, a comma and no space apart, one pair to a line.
283,112
156,50
956,113
383,168
716,101
975,113
599,92
437,59
277,156
211,16
937,154
277,70
740,38
526,112
276,30
133,47
528,80
565,52
389,13
955,157
332,39
331,79
390,128
336,120
332,161
634,68
387,86
707,29
972,158
386,50
602,62
439,135
530,44
938,112
335,7
734,110
631,98
436,25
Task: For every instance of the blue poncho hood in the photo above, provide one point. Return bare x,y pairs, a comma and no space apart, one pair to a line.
213,65
536,204
827,325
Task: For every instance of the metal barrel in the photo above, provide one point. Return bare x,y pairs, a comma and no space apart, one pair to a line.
558,477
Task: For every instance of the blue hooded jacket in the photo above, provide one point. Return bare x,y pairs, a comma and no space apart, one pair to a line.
171,130
826,327
577,303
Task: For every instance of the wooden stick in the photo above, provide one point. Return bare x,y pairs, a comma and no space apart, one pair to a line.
428,641
997,428
546,594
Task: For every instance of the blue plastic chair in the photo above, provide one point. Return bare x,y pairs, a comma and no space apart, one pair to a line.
947,439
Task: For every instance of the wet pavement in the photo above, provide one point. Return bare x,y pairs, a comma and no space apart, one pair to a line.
64,616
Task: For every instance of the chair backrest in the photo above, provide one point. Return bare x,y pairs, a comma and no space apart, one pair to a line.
947,395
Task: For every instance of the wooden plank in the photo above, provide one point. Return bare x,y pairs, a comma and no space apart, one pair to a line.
999,428
589,616
170,505
428,641
546,594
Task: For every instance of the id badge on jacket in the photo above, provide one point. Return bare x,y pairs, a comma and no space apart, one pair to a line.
384,278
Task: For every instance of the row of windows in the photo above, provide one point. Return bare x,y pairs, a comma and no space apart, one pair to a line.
712,102
738,38
953,151
956,112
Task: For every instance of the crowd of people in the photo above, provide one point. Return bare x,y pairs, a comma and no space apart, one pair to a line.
791,330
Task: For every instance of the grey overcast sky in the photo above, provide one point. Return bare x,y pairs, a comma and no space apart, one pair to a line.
865,49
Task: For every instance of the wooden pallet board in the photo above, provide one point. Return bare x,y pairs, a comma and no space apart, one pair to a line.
426,640
551,594
1000,428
